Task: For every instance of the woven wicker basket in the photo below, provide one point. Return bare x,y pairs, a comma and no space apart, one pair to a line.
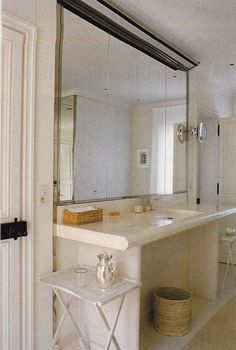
172,311
85,217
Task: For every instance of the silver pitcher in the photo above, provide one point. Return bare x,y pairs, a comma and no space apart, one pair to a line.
106,269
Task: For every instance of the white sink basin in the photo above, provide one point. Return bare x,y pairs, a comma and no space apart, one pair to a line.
178,214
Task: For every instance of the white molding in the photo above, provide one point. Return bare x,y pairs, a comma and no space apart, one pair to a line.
5,295
30,35
5,128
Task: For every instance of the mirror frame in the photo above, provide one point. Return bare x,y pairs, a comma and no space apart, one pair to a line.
123,27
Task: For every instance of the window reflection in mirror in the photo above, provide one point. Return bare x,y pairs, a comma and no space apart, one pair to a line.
120,138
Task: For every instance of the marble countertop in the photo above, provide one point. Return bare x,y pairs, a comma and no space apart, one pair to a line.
130,229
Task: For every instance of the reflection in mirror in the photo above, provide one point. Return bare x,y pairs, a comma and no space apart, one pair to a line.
128,107
182,133
200,132
66,145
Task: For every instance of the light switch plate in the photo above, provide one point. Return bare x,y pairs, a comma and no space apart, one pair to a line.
43,195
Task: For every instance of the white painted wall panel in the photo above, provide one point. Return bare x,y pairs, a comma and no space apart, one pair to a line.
102,150
119,152
90,149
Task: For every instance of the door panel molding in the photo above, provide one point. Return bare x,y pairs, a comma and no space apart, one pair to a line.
5,295
29,33
5,123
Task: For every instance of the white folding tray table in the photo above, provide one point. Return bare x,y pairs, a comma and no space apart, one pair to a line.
66,281
230,240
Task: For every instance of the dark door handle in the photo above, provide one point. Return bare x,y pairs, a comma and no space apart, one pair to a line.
13,229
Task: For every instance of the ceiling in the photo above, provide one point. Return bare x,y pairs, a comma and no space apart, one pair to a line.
205,29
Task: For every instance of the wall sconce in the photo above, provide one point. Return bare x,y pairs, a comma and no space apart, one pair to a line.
182,133
199,132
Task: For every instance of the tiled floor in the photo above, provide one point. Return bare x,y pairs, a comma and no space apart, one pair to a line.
212,336
219,332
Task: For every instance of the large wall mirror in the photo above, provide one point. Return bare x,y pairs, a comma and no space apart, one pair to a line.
120,110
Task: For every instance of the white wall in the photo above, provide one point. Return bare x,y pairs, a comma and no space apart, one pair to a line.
141,139
42,14
118,151
43,257
234,105
90,165
211,95
102,150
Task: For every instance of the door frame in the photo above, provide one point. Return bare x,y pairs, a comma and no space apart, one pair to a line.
29,32
195,113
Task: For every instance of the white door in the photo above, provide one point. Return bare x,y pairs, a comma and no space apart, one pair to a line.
228,160
228,176
208,164
15,183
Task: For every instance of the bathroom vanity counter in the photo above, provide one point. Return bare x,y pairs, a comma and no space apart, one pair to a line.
175,246
130,230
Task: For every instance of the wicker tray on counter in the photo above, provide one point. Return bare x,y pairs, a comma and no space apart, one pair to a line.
85,217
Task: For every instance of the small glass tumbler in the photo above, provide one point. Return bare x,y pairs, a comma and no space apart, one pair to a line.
81,275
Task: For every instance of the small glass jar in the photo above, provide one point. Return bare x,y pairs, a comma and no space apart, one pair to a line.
81,276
